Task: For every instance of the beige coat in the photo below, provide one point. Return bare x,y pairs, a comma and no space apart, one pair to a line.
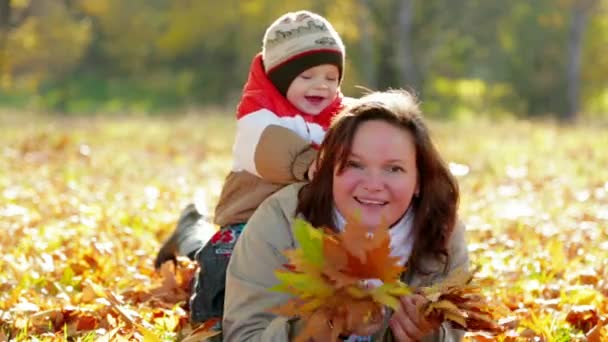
258,253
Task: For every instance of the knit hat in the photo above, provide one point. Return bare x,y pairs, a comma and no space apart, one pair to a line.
298,41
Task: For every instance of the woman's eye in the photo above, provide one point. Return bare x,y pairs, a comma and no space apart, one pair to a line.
353,164
306,77
395,168
331,79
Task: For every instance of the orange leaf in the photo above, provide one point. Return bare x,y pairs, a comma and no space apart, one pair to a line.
87,322
316,327
336,262
367,254
332,289
204,331
385,266
358,240
583,317
597,333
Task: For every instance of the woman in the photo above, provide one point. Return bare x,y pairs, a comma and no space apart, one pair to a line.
377,164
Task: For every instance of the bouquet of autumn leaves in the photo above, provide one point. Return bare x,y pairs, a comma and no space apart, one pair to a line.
327,277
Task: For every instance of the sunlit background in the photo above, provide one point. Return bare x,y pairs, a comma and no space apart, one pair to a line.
465,58
114,115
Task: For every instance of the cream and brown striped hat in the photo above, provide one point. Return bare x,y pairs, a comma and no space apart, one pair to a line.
297,41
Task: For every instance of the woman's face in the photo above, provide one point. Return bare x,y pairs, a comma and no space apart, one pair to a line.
380,177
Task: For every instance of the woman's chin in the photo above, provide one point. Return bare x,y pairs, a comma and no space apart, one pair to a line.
372,224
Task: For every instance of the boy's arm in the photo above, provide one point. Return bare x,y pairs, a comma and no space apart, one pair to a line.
266,148
282,156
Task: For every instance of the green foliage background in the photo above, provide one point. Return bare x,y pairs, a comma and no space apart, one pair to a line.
467,58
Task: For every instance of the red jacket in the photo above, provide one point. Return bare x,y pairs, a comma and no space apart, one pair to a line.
259,93
274,146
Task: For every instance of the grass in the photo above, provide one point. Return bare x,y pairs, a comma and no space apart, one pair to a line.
86,201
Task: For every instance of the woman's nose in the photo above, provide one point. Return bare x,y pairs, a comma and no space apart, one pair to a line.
373,181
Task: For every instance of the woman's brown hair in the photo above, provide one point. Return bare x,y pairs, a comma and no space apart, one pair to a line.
436,204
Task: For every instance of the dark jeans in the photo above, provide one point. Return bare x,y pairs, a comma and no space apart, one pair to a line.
208,288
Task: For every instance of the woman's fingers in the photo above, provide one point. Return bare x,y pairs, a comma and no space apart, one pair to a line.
402,322
416,303
402,330
407,322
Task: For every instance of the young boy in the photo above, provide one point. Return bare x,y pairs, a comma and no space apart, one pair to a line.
291,94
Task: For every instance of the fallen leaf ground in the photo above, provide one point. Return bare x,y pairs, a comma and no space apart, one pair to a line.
86,201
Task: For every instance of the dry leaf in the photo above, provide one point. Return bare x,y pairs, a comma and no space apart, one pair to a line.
597,334
457,300
78,209
204,331
326,277
583,317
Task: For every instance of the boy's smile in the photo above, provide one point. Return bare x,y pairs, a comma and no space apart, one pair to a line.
315,100
314,89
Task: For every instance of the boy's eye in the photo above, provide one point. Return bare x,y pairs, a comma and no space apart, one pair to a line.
306,77
331,78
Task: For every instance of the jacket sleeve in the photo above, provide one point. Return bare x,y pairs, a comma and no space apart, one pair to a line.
250,274
282,156
273,148
459,258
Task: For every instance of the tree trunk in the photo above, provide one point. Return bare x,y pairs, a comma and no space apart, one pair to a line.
405,56
368,65
5,16
578,23
5,11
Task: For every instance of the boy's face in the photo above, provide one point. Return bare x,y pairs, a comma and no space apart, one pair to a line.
314,89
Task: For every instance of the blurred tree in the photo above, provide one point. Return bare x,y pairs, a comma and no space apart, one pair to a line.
367,46
580,12
594,66
5,14
408,74
40,40
382,15
10,16
469,56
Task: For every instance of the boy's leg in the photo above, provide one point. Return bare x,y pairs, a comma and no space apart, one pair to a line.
207,298
191,233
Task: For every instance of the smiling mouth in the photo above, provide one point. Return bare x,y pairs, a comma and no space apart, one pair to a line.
370,202
315,99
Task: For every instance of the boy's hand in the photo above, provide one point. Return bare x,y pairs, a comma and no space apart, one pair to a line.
312,169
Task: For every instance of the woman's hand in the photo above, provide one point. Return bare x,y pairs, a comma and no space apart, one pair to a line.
408,324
